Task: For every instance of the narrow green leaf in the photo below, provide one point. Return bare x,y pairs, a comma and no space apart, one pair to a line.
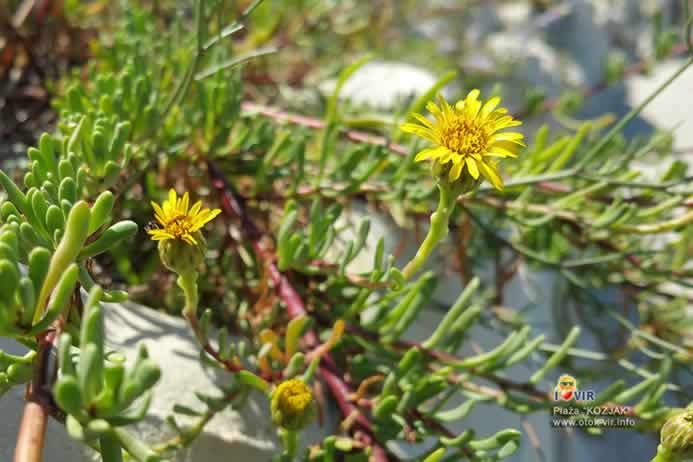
332,102
233,62
555,359
248,378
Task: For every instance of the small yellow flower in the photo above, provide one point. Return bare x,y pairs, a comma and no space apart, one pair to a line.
177,221
467,136
292,405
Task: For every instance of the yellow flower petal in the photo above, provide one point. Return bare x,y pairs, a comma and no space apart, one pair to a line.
196,208
491,175
184,204
447,110
455,171
435,110
472,104
505,122
179,221
159,213
448,155
423,120
498,150
471,166
489,107
160,235
473,95
172,197
507,136
430,153
417,130
468,135
498,154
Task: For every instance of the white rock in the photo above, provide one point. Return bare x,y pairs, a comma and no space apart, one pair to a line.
667,110
585,41
382,84
514,14
246,434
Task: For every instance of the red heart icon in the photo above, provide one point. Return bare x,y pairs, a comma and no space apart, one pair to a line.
566,395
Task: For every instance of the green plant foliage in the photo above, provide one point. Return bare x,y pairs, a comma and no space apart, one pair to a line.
166,107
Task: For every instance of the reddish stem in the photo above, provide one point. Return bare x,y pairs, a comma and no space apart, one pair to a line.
39,404
32,431
233,204
229,364
317,124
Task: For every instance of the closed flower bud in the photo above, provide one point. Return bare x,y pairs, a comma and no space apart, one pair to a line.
292,405
462,185
677,434
181,257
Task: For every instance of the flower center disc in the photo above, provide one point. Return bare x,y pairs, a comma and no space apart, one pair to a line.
296,397
179,225
464,137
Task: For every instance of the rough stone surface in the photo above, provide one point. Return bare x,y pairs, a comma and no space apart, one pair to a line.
246,435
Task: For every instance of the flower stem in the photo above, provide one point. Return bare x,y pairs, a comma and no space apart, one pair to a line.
188,282
110,448
290,439
436,233
664,455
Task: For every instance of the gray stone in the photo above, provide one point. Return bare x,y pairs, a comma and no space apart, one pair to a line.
534,62
58,445
582,38
537,294
243,434
246,434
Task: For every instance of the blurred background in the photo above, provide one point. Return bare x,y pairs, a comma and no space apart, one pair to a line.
573,57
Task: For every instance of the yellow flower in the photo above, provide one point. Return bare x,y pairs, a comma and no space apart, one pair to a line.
467,136
292,405
177,221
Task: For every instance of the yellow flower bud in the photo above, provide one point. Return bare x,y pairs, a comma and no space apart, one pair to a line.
292,405
677,435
